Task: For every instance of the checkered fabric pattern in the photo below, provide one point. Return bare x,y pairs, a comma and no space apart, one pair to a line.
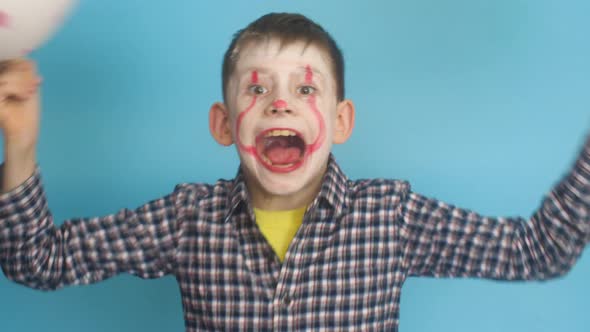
344,269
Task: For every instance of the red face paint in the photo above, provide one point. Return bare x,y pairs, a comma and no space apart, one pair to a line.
279,104
317,144
248,149
314,108
308,74
254,77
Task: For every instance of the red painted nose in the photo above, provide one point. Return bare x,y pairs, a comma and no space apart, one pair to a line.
279,104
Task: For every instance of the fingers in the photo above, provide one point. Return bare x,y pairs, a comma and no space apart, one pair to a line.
18,80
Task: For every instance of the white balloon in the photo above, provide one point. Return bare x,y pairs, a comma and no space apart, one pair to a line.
27,24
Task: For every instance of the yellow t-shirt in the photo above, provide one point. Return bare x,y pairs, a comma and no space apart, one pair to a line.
279,227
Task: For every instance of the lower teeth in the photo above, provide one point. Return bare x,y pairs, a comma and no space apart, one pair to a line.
268,161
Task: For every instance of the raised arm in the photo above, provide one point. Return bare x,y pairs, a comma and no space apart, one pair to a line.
36,253
445,241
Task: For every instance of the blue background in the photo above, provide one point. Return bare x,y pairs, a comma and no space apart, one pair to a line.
483,104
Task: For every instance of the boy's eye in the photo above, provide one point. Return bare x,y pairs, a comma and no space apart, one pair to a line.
257,89
306,90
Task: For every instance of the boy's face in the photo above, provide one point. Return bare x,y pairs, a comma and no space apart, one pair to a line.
282,113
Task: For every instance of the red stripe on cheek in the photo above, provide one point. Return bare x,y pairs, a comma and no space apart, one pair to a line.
322,134
317,144
245,148
241,146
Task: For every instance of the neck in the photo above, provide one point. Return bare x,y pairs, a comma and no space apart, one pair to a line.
263,200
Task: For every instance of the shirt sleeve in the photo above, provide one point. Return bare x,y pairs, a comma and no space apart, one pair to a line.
36,253
442,240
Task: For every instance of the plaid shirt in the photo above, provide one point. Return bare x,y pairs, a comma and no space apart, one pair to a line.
344,269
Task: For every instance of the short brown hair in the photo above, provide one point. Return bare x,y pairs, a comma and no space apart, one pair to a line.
288,28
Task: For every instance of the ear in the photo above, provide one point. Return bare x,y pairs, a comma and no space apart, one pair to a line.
219,124
344,121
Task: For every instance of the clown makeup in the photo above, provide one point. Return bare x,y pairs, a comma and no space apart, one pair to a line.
282,149
283,113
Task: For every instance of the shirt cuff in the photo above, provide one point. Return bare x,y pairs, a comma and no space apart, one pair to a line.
22,198
579,177
575,191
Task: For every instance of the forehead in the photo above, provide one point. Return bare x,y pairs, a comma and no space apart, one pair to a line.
272,55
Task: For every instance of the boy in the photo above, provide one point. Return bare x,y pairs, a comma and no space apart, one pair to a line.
290,243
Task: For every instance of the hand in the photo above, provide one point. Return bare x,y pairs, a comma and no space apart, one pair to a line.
19,104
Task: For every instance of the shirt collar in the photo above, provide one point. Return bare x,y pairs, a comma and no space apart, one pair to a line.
238,196
334,188
333,191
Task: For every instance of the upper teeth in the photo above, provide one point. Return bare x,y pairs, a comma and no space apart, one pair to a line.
280,132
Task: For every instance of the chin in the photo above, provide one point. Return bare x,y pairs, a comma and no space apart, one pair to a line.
281,183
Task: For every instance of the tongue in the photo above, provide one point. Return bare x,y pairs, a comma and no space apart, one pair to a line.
282,155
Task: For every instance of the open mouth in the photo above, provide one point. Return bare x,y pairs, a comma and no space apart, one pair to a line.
280,149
